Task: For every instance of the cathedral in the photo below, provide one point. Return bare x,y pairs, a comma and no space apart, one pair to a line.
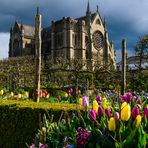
84,38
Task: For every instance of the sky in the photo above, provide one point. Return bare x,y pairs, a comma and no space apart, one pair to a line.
125,18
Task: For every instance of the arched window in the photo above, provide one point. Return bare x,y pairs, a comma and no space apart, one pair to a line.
98,22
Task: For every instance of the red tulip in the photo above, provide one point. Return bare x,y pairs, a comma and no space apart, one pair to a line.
59,97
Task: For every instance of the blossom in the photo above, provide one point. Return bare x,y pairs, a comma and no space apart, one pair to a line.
65,95
11,94
69,146
127,97
19,96
80,101
99,99
1,92
104,100
85,101
95,106
92,115
100,111
139,102
111,124
59,97
108,112
125,111
146,112
116,116
26,94
82,136
70,91
135,112
138,120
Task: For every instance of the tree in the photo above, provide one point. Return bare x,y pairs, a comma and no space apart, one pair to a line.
141,50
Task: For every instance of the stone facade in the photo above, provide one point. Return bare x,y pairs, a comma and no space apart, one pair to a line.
81,38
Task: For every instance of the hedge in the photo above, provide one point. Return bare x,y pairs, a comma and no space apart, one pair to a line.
19,120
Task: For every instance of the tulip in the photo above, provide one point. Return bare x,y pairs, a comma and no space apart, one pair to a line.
146,112
99,99
26,94
1,92
66,95
139,102
104,100
95,106
19,96
125,111
47,96
108,112
11,94
85,101
100,111
111,124
80,101
59,97
135,112
116,116
138,120
134,97
92,115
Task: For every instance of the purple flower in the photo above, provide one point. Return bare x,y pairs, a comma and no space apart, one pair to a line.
92,115
116,116
127,97
146,112
134,97
135,112
82,136
32,146
108,112
43,145
85,101
99,99
139,102
100,111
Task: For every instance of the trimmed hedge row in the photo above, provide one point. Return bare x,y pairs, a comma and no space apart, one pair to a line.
19,120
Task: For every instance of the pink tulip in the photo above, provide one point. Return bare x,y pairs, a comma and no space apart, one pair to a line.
92,115
100,111
85,101
139,102
116,116
108,112
99,99
135,112
146,112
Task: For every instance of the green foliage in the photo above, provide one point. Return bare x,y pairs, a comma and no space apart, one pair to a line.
19,120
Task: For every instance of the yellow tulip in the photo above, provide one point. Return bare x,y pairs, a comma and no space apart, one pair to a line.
11,94
80,101
138,120
47,96
19,96
111,124
26,94
95,106
125,111
1,92
104,105
104,99
66,95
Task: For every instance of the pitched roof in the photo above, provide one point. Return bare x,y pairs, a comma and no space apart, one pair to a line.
28,30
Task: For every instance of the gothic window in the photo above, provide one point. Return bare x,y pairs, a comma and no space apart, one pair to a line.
75,40
98,22
97,39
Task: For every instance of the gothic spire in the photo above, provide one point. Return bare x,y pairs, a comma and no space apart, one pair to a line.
37,11
88,12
